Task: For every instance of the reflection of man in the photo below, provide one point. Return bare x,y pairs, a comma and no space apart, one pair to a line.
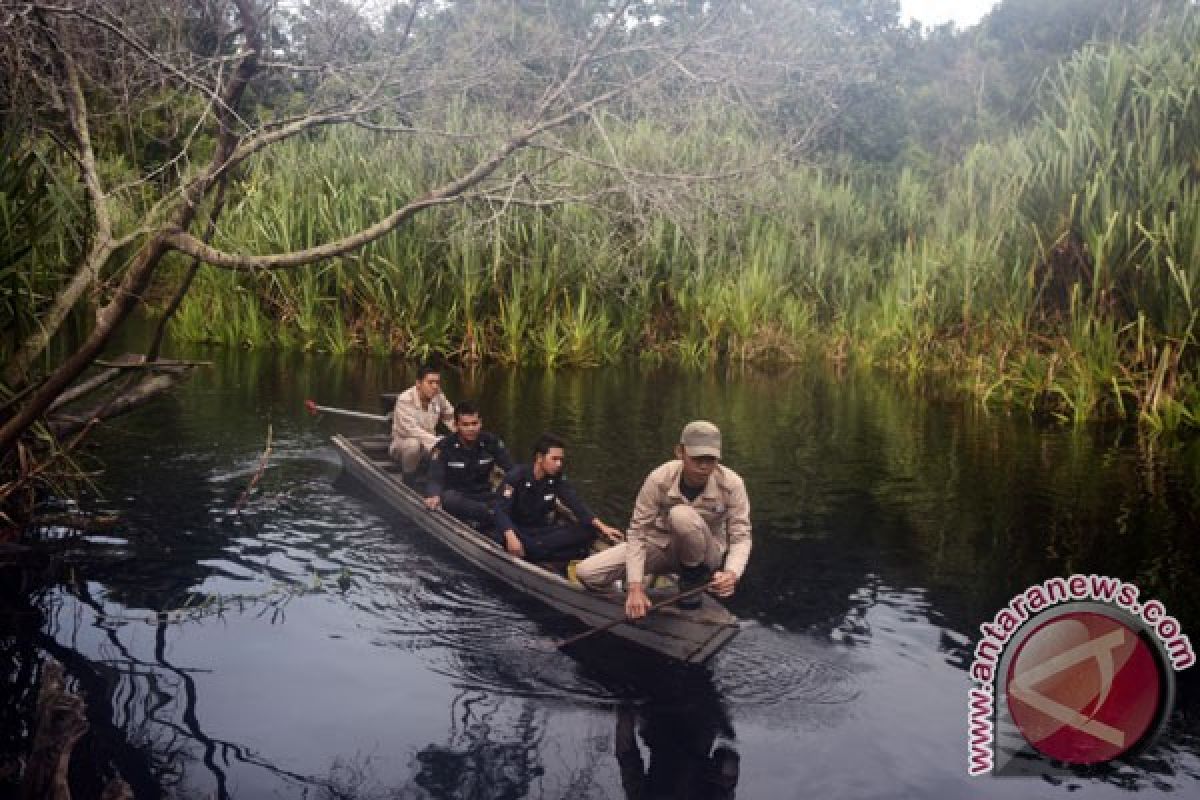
418,411
683,764
692,517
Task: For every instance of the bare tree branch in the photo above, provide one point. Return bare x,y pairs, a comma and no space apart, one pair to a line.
102,244
142,266
145,51
547,100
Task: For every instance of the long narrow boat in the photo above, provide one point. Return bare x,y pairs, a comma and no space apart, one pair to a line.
692,636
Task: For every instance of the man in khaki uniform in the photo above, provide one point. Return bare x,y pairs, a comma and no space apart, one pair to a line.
692,516
415,417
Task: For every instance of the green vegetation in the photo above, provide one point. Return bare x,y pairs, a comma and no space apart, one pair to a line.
1055,268
1041,253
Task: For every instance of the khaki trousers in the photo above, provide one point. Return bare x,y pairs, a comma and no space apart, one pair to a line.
408,453
691,542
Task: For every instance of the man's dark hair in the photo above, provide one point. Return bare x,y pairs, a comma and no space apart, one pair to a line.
545,442
465,409
426,370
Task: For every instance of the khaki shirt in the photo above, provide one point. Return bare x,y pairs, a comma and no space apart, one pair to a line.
410,421
723,505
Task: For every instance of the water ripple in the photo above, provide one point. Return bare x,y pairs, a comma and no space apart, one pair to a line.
769,668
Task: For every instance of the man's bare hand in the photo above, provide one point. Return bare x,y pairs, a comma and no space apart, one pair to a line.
637,604
723,583
610,533
512,543
433,503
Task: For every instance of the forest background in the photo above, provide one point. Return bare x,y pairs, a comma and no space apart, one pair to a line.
1014,206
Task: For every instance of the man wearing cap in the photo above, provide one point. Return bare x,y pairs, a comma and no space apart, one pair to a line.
692,516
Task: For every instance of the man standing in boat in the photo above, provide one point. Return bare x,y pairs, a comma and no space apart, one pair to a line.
460,469
527,520
414,420
692,517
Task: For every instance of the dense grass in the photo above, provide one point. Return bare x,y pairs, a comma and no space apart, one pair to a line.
575,284
1054,270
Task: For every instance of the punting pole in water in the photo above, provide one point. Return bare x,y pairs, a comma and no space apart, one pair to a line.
315,409
608,626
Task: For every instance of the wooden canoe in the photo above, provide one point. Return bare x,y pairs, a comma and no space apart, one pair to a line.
691,636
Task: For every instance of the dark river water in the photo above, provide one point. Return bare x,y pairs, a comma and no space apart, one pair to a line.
318,646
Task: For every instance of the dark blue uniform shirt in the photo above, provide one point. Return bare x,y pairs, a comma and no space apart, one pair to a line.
526,502
465,469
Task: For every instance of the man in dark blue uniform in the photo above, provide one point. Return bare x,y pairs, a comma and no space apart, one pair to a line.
527,520
461,466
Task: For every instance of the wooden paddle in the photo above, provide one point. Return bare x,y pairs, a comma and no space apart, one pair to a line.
608,626
315,409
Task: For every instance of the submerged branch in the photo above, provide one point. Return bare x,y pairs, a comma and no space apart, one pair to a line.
61,723
258,473
146,390
84,388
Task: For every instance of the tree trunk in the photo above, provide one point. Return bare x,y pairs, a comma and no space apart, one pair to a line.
60,724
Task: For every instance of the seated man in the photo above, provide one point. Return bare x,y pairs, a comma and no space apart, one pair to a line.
418,410
527,522
692,516
460,469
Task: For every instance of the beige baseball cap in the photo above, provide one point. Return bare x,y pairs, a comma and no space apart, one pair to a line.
701,438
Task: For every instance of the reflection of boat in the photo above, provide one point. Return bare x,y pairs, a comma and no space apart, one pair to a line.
690,636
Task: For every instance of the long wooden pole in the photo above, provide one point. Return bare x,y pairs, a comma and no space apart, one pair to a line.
608,626
315,409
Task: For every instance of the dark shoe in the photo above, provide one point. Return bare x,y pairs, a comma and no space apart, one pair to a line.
724,767
691,578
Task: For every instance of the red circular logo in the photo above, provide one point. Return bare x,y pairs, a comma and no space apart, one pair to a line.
1084,687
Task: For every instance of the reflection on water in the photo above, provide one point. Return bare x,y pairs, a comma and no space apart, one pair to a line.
487,756
321,647
683,760
684,757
